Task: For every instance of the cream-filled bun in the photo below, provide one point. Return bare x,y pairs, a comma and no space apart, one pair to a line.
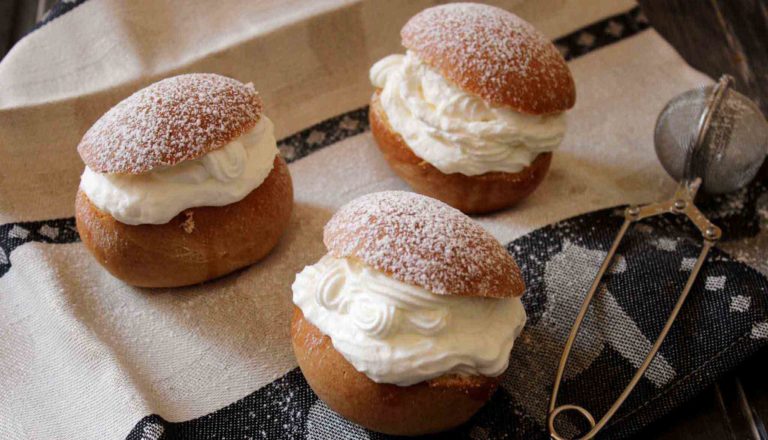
406,325
471,113
182,183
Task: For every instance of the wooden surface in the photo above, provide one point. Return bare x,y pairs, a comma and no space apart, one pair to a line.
719,36
17,17
714,36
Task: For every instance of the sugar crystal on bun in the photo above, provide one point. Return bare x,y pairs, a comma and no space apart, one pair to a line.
424,242
179,118
494,54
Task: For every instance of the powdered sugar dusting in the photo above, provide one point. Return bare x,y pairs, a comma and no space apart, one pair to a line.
176,119
424,242
494,54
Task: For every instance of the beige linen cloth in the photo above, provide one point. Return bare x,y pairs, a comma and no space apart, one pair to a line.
83,355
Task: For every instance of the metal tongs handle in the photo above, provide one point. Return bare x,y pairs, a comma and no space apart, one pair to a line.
681,204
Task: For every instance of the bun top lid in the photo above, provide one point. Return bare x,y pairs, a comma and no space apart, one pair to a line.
424,242
179,118
493,54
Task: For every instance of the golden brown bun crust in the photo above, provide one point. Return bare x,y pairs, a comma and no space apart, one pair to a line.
494,54
427,407
173,120
471,194
197,245
423,242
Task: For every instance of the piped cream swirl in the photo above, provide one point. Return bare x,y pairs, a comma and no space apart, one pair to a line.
221,177
453,130
402,334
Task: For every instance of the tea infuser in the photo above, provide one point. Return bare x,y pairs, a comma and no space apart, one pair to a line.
721,154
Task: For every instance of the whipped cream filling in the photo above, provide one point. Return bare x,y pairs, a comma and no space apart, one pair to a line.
402,334
453,130
221,177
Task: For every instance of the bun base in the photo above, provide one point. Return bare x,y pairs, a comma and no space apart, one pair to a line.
424,408
197,245
479,194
